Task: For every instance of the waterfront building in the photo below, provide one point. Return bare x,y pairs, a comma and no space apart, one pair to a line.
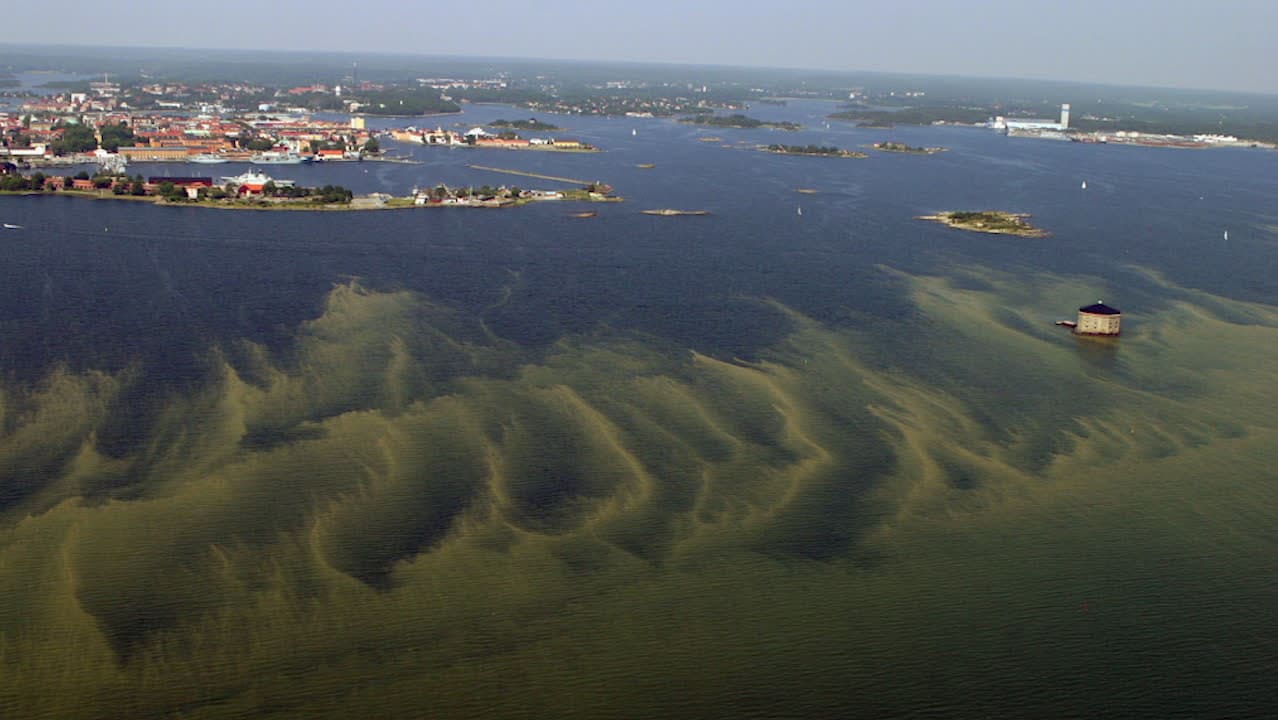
1003,123
144,153
252,182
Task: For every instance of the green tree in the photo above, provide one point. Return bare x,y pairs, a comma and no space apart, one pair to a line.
113,136
137,188
259,144
75,139
372,146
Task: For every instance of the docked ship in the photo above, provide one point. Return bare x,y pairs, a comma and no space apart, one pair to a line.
207,159
273,157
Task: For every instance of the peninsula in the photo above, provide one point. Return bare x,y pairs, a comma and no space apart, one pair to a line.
739,121
813,150
255,191
477,137
996,222
903,148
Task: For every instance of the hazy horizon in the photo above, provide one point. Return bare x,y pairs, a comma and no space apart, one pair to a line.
1173,44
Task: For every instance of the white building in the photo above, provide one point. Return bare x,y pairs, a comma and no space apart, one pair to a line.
1006,123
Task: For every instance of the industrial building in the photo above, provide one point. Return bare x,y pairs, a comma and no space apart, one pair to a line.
1002,123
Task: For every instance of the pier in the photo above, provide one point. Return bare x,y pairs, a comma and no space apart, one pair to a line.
531,175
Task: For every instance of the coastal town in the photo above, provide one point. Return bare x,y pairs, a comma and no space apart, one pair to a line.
111,125
114,121
101,126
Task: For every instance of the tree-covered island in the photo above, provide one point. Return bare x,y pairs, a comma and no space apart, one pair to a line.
532,124
739,121
996,222
903,148
814,150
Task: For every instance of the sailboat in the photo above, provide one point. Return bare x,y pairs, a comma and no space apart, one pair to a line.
1084,184
800,209
1226,234
633,132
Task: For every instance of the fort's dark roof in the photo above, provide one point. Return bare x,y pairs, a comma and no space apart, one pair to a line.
1099,308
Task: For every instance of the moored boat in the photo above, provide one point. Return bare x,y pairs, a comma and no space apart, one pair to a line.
272,157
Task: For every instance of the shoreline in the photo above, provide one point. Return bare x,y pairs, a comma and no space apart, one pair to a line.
990,222
358,204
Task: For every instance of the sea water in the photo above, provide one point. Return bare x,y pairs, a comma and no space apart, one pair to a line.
456,462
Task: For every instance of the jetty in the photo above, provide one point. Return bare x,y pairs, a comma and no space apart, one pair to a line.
522,173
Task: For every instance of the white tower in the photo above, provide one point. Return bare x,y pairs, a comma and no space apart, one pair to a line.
1065,116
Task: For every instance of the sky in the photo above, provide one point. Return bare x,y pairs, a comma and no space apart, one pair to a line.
1216,44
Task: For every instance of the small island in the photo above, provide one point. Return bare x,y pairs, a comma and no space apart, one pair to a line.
996,222
739,121
903,148
670,212
532,124
812,150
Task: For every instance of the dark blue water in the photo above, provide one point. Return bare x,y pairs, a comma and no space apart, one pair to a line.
129,272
